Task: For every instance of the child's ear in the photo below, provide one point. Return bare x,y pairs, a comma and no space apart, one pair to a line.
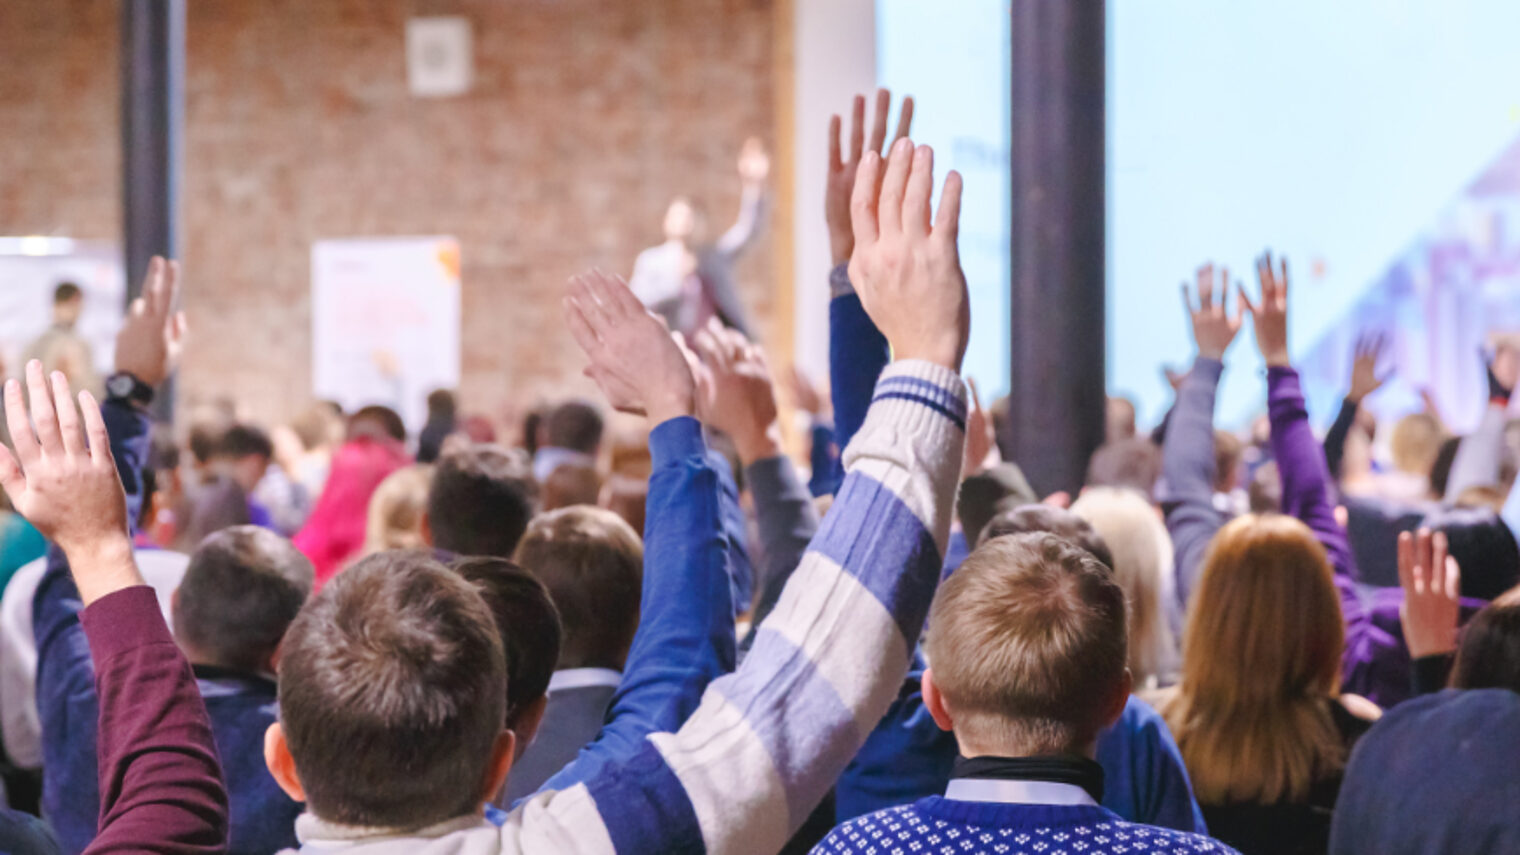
1120,699
502,755
425,529
934,702
281,765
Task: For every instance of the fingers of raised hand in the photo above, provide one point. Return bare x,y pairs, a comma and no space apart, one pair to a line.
916,212
20,425
69,426
863,203
95,429
879,120
947,220
890,209
44,418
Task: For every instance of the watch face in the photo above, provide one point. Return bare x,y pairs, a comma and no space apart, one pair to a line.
120,386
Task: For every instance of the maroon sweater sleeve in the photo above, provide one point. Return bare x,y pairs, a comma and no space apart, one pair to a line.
160,782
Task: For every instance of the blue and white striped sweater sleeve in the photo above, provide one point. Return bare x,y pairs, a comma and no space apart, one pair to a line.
768,741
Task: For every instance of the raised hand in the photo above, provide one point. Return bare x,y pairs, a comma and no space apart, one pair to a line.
843,169
1432,583
981,451
633,359
1370,350
742,402
906,269
1214,327
1270,315
754,163
66,487
152,336
806,396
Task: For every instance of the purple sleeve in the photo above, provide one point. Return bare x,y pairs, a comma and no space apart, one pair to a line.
160,780
1306,496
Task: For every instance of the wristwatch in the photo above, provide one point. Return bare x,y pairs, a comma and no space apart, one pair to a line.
126,387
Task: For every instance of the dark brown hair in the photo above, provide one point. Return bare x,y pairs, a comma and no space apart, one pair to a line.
529,625
1489,656
592,562
481,500
393,690
576,425
243,587
1034,519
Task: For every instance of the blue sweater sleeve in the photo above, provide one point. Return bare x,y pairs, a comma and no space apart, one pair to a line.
741,571
858,353
686,625
1144,778
67,705
823,457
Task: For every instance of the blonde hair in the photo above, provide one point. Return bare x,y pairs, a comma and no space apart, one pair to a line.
1142,553
1416,443
394,519
1027,645
1260,666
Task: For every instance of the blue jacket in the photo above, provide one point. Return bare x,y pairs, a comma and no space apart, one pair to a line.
241,708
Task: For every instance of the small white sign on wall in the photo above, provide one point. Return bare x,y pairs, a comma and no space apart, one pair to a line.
439,56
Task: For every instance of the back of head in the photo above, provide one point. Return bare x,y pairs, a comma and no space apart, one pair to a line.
481,500
1265,492
1142,561
243,440
317,426
1483,545
1119,419
592,562
393,690
571,484
207,508
1048,519
1133,463
204,440
67,292
441,405
1436,774
627,497
576,425
982,495
528,622
1261,661
376,422
1228,452
242,589
394,519
1027,643
1416,443
1489,655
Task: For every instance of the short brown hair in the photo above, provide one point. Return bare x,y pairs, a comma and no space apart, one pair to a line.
1028,643
481,500
571,484
529,624
1228,452
592,562
393,691
1037,518
1134,463
1489,655
243,587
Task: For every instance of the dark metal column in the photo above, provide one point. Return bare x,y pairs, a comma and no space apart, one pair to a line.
152,118
1057,248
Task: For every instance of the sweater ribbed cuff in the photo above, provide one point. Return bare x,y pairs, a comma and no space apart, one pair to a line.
919,396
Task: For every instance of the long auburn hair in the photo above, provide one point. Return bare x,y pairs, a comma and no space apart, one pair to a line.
1261,664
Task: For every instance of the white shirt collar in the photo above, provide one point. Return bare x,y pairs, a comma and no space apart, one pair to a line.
1017,792
583,678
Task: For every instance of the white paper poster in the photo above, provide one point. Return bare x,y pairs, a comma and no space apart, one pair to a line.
385,322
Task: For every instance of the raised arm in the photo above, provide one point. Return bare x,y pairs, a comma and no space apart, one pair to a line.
770,739
1187,456
857,350
743,405
1365,379
1481,453
159,780
1431,608
754,168
146,348
686,631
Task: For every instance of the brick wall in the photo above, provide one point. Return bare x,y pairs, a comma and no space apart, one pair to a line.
584,118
